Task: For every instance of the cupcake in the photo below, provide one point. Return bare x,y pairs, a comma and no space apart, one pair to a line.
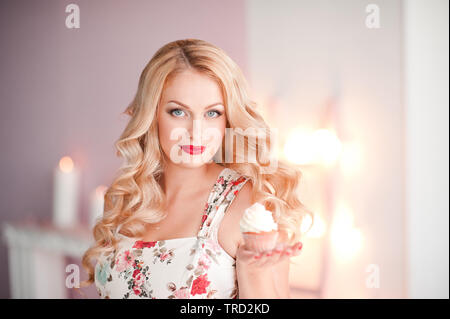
258,228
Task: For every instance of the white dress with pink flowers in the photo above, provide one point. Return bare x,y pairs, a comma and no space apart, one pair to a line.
193,267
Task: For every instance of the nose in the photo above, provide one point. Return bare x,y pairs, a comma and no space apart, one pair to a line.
195,131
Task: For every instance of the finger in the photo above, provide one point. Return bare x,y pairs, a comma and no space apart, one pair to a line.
252,262
252,257
246,255
260,259
290,251
279,247
268,259
277,255
296,248
286,253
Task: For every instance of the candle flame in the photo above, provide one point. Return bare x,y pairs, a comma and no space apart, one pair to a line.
66,164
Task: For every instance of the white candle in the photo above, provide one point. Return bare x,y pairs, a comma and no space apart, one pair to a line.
65,194
97,204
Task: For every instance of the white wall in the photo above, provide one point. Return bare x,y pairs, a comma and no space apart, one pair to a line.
426,95
302,52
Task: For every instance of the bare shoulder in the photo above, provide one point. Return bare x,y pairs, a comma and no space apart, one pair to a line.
229,233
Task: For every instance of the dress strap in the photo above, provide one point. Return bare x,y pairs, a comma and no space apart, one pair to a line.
226,188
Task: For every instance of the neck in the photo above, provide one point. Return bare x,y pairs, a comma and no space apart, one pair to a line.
184,182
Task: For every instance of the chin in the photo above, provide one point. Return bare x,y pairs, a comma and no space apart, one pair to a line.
192,162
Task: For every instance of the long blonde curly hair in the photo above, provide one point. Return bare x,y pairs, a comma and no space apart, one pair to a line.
135,196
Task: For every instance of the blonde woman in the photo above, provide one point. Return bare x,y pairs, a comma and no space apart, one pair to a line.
170,227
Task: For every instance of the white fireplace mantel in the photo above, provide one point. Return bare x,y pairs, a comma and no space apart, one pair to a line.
36,256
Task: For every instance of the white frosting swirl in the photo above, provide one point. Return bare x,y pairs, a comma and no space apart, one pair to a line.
257,219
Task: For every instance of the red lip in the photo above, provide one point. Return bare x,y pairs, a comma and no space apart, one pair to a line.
193,150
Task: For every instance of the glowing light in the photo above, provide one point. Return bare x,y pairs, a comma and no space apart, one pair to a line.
351,159
346,243
298,148
319,147
318,228
66,164
345,239
328,146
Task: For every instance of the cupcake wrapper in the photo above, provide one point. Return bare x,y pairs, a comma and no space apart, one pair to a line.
260,242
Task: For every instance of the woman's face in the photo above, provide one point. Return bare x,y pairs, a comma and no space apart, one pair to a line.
191,119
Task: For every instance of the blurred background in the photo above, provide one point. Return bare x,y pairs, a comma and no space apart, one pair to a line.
358,91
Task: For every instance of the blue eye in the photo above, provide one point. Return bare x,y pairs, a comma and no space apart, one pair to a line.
214,112
181,113
176,114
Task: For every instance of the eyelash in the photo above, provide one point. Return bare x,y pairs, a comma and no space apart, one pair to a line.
176,109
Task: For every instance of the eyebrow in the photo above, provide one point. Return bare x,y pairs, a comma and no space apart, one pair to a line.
184,105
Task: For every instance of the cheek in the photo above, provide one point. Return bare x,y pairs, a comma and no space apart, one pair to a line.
166,129
216,132
222,127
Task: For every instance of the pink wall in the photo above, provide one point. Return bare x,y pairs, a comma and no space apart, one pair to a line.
63,89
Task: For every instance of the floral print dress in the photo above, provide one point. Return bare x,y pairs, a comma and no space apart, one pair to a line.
185,268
